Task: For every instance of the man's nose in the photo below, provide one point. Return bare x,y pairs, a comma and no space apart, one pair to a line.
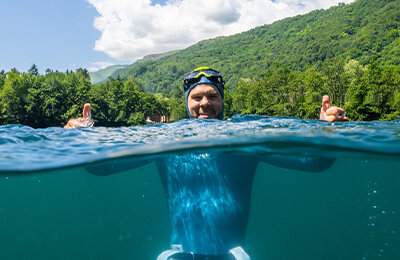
205,101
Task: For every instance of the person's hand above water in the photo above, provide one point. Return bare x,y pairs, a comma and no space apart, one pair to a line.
85,121
331,113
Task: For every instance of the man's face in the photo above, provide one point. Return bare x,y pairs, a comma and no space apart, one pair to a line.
205,101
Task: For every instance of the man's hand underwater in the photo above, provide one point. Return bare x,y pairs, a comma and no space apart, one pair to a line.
331,113
85,121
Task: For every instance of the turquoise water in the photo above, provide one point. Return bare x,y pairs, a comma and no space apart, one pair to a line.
53,208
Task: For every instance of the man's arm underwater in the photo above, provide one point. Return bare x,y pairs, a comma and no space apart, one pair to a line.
116,166
301,163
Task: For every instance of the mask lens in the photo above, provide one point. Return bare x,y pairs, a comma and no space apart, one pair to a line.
189,82
195,76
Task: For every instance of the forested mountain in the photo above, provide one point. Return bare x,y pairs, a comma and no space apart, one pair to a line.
364,30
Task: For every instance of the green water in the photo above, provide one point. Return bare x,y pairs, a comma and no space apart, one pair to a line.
349,211
71,214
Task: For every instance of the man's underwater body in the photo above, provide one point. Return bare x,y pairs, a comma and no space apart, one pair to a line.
208,194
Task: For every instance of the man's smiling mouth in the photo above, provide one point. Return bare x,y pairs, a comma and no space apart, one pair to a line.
206,115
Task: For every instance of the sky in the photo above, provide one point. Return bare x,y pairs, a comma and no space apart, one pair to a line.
93,34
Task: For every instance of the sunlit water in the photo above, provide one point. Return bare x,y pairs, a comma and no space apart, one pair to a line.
53,208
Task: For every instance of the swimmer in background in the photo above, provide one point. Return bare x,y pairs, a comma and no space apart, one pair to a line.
208,194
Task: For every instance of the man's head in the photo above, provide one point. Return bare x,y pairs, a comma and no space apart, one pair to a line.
204,94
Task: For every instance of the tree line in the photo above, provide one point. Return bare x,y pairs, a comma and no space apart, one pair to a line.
370,92
52,99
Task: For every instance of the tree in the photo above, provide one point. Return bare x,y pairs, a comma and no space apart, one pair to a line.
239,96
13,97
33,70
134,83
336,80
82,73
2,79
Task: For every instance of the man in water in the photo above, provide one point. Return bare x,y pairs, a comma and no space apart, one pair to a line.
208,194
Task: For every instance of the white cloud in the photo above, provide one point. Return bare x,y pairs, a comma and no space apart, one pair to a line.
132,29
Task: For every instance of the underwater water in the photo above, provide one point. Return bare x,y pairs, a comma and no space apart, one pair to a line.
53,207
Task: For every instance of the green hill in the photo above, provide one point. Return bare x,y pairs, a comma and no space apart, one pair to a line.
119,70
103,74
364,30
